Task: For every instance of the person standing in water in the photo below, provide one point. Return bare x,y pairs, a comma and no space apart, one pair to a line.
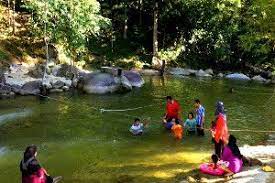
219,130
173,109
200,117
31,170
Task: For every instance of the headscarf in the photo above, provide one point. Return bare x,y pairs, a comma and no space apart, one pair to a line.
219,108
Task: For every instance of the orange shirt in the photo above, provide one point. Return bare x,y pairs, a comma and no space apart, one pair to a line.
177,130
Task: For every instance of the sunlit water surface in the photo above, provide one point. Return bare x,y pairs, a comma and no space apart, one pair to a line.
83,145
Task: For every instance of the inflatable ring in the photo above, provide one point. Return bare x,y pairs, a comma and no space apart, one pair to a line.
206,169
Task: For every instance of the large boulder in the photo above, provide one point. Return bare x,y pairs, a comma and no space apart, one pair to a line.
99,83
149,72
259,79
5,91
238,76
202,73
134,78
220,75
209,71
123,83
31,88
179,71
64,70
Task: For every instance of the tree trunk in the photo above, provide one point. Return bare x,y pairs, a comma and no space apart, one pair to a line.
125,23
9,13
13,27
156,63
140,12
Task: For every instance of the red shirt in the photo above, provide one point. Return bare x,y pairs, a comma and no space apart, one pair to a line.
172,109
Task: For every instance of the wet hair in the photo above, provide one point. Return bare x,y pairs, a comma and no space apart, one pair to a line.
232,144
215,159
219,108
197,101
30,152
137,119
192,114
169,98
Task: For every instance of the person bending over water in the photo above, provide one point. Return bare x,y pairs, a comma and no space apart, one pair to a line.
31,170
200,117
177,129
137,127
190,124
173,109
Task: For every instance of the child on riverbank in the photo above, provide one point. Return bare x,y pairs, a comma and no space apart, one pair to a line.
177,129
137,127
190,124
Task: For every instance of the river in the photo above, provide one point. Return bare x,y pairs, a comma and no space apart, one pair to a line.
84,145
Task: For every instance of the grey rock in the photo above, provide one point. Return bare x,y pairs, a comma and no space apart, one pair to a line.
66,88
209,71
238,76
99,83
220,75
58,84
55,90
202,73
259,79
31,88
149,72
134,78
179,71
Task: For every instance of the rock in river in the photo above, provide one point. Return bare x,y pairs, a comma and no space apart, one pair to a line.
100,83
238,76
134,78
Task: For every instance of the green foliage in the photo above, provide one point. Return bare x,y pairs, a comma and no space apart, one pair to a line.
68,23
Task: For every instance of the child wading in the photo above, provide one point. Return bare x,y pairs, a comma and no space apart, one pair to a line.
177,129
200,117
190,124
137,127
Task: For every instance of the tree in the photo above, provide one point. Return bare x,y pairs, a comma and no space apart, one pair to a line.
69,22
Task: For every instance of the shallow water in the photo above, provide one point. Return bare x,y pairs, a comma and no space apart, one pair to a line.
84,145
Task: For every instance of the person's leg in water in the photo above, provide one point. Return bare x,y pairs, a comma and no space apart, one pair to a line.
200,130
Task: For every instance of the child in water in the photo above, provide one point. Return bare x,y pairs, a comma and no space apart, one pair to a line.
177,129
137,127
190,124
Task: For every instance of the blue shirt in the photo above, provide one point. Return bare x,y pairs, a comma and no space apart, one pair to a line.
190,124
200,115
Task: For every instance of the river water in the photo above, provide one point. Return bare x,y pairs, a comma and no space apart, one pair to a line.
84,145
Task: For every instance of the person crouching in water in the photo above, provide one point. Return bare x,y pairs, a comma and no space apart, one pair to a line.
190,124
31,170
177,129
137,127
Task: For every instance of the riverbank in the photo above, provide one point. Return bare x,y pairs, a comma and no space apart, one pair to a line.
249,174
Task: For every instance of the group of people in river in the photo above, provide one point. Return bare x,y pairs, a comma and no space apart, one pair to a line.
226,160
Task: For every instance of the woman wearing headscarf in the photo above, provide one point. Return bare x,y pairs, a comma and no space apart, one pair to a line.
219,129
